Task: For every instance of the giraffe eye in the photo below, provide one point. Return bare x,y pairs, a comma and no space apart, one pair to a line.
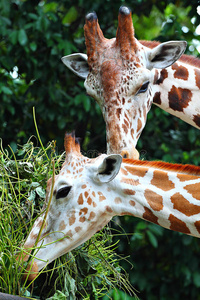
63,192
143,88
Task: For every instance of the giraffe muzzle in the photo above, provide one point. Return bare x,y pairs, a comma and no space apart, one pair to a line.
31,271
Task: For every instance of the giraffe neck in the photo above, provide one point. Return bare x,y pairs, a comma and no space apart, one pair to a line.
176,89
165,194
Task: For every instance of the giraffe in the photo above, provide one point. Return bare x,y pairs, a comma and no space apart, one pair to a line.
125,76
87,193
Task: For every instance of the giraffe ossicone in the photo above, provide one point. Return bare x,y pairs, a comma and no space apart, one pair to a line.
124,76
87,193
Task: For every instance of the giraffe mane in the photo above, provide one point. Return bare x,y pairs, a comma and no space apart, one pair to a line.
178,168
188,59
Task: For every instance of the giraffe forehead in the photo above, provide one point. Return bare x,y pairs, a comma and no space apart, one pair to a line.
109,49
124,81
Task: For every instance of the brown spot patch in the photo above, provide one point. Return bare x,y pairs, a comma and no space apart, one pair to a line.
127,123
91,216
126,213
77,229
83,210
125,128
155,200
185,177
139,125
179,98
118,112
194,190
197,77
163,76
197,225
62,226
109,209
137,171
128,192
39,224
149,216
86,194
89,201
109,75
196,119
123,171
132,132
101,196
132,203
180,72
68,234
184,206
33,235
83,186
157,98
80,199
118,200
155,77
160,179
82,219
178,225
72,219
144,113
130,181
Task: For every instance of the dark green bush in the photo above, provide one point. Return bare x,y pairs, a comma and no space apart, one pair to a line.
34,35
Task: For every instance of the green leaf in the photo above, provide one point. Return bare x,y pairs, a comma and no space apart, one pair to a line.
58,296
86,103
11,110
31,196
71,16
191,135
33,46
39,190
196,279
22,37
6,90
152,239
14,37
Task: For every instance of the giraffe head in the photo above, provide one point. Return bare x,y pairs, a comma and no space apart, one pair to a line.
77,209
119,75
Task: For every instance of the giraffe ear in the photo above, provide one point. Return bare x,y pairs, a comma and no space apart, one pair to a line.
165,54
109,168
77,63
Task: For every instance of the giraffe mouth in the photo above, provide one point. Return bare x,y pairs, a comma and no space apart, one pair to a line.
31,271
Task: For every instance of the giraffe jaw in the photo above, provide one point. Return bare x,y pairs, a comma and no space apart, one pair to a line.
46,255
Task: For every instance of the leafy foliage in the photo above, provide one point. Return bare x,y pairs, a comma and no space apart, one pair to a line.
34,36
